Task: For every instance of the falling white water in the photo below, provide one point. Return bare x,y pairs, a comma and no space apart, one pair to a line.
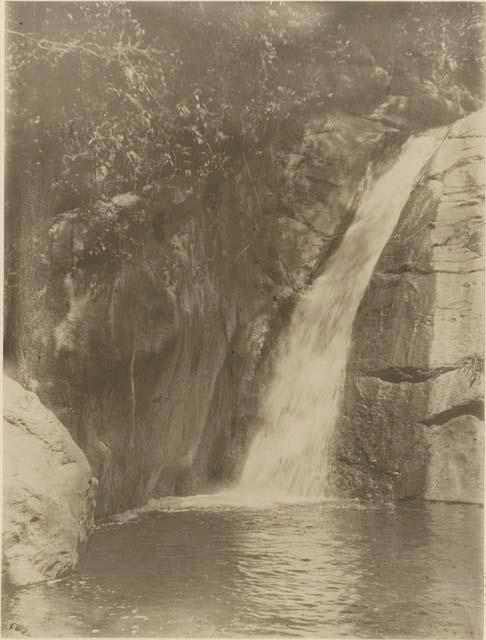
289,455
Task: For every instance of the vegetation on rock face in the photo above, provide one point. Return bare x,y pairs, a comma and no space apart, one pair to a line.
109,97
114,96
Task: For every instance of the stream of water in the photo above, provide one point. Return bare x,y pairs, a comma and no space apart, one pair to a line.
290,454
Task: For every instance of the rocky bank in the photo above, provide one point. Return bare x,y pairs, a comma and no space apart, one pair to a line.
48,491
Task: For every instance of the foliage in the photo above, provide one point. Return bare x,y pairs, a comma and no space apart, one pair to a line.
112,96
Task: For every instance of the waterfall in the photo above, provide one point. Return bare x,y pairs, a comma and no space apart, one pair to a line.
289,455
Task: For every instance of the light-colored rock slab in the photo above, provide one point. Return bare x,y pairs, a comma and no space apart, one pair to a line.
455,470
48,491
415,389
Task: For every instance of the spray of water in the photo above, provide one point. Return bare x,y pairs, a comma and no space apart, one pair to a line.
289,455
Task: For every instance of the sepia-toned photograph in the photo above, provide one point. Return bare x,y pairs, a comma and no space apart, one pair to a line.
243,319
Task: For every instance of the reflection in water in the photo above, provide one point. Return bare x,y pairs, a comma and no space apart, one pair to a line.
197,567
418,562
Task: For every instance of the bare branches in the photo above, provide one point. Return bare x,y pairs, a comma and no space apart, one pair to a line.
57,47
90,48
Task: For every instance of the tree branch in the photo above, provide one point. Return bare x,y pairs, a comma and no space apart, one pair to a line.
50,46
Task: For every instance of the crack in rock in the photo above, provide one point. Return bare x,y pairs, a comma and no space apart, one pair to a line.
396,375
472,408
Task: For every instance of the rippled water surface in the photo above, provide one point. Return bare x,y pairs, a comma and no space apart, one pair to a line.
196,567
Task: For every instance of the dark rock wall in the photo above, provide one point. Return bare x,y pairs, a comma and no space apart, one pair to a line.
152,351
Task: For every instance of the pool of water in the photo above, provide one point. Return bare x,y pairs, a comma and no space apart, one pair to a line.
203,567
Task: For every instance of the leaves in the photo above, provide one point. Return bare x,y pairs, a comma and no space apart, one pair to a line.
144,92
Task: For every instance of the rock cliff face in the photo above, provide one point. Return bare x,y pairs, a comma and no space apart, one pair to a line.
412,423
48,492
154,349
155,329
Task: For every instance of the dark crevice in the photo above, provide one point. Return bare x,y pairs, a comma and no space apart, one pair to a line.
406,374
469,135
472,408
408,268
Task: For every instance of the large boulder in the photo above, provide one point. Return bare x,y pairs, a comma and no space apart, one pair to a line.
412,423
48,491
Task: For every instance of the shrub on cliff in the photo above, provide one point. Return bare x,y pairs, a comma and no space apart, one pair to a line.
110,96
